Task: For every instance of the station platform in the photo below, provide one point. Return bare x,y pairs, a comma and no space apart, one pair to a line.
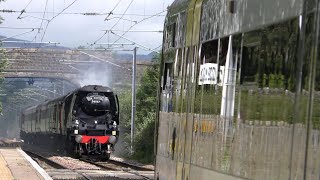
16,164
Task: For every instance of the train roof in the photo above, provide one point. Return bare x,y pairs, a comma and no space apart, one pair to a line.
95,88
213,19
177,6
89,88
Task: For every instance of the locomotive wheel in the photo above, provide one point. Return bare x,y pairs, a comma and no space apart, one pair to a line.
105,157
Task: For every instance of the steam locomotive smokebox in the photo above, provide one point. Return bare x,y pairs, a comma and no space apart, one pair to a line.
94,104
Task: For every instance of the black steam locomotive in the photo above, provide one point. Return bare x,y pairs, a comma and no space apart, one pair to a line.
84,122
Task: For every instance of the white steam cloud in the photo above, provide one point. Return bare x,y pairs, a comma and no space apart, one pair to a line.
96,75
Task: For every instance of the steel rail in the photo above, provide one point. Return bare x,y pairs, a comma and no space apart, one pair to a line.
123,166
117,163
55,164
46,160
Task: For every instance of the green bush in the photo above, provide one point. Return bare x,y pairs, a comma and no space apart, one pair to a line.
146,99
144,139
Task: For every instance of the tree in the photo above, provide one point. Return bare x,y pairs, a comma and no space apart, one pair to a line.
147,92
145,115
3,62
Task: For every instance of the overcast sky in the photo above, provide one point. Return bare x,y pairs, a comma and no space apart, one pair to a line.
73,30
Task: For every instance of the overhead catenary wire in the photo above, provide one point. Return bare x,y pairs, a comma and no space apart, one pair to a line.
64,9
24,9
113,25
111,12
34,17
6,27
151,31
97,39
107,49
30,42
120,37
28,4
121,44
45,30
143,46
103,60
121,15
77,13
108,19
17,35
44,13
126,30
157,47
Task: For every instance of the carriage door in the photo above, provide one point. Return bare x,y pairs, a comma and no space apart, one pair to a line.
184,119
187,115
191,61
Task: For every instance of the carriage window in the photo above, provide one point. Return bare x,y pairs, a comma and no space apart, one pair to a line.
173,31
170,34
207,78
176,91
211,73
268,73
167,83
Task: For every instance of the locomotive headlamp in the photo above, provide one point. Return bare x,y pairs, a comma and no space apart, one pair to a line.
112,139
78,138
95,121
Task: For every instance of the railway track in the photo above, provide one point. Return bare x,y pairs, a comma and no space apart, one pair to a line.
46,160
60,166
115,165
56,165
120,166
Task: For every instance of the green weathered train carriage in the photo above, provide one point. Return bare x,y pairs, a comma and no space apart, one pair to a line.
239,96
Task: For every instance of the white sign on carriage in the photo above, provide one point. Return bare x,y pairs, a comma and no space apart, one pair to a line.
208,73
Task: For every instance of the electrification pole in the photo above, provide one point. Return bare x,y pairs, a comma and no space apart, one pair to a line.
133,111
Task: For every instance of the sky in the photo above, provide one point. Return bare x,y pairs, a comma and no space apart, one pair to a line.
73,30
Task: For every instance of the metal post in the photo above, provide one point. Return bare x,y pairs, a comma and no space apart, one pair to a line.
54,90
62,87
133,112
